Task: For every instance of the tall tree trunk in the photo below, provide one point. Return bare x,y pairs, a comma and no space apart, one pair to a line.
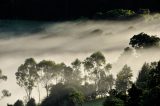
27,92
47,90
39,94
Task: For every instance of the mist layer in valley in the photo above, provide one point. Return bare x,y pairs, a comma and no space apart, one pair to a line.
66,41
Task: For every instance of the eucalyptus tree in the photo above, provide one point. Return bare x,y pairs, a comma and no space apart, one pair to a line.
99,72
26,76
46,74
105,84
76,66
93,65
88,66
98,61
68,75
59,70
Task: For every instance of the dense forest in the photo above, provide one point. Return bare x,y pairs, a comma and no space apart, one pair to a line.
91,79
68,9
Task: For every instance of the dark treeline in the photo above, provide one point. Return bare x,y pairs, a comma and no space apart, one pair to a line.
67,9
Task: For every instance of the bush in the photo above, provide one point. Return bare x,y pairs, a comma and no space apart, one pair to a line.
31,102
113,101
63,95
18,103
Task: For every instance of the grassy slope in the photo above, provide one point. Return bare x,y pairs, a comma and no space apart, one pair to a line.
98,102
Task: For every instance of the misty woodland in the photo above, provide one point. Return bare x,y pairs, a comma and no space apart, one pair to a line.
79,53
89,81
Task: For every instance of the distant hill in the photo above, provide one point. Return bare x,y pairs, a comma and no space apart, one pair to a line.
67,9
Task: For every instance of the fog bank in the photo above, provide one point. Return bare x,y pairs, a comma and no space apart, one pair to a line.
66,41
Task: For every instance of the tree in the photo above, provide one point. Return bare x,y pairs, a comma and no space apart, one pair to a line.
5,93
150,77
110,81
76,66
98,61
46,73
143,76
105,84
63,95
31,102
88,66
154,76
68,75
123,81
18,103
143,40
27,75
134,96
98,73
59,70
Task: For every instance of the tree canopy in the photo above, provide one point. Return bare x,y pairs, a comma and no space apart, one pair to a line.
143,40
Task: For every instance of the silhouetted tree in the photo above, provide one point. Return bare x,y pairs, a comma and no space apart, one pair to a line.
142,79
88,66
98,60
59,71
105,84
76,66
123,81
68,75
98,72
134,96
154,76
27,75
46,73
143,40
